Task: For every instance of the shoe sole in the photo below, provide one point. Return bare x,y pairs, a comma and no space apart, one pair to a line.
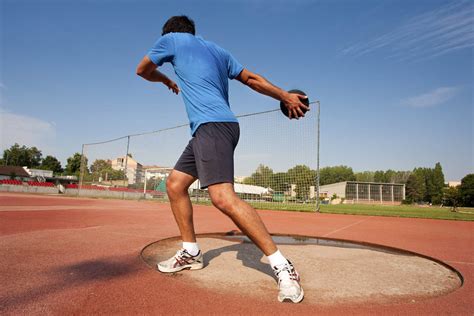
177,269
288,299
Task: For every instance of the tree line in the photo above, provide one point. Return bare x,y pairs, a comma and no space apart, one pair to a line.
32,157
301,176
422,185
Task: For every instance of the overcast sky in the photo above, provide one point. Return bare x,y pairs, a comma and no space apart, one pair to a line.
394,78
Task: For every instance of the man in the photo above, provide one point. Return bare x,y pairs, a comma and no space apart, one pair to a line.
203,69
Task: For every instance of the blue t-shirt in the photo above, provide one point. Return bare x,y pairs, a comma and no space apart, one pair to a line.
203,69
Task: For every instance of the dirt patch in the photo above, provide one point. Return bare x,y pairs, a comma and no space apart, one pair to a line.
330,274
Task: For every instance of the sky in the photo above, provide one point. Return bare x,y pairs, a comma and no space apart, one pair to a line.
394,78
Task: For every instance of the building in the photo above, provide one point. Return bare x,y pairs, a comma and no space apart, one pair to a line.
156,172
13,173
134,169
245,191
39,173
239,179
453,184
365,192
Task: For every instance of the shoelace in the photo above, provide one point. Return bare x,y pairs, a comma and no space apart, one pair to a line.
289,269
182,256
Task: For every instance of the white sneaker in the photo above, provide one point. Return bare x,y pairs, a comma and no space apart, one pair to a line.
180,261
288,282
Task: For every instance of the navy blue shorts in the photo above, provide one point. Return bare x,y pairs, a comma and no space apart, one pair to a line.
209,156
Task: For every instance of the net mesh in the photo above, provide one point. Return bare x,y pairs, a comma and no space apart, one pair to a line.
276,162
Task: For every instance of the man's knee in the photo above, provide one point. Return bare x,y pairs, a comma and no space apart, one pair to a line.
224,201
175,187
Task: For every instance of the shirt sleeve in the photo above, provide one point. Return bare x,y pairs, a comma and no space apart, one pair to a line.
162,51
234,68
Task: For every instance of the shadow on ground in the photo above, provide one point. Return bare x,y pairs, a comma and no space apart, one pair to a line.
249,254
70,276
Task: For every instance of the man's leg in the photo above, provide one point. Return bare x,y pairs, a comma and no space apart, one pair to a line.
246,218
177,186
190,257
243,215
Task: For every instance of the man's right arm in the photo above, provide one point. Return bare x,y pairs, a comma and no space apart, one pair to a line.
260,84
149,71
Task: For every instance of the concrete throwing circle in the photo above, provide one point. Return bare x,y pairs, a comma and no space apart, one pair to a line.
332,271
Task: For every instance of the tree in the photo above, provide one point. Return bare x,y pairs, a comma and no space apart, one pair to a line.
336,174
304,178
100,165
379,176
115,174
261,177
401,176
51,163
365,176
73,166
437,184
466,190
415,187
280,182
22,156
452,197
428,175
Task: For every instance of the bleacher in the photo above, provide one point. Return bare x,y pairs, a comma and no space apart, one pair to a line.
11,182
113,189
76,186
30,183
40,184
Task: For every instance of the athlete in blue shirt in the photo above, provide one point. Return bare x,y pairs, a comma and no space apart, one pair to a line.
203,70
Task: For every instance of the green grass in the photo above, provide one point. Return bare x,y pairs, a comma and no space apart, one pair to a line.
433,212
465,214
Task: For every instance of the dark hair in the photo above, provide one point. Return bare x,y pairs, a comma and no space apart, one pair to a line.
179,24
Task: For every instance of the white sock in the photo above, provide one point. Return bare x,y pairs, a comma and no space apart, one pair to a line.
191,247
277,259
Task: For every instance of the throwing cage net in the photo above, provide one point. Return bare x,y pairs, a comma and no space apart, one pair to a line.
276,163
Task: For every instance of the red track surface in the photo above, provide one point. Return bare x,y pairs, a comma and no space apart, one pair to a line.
81,256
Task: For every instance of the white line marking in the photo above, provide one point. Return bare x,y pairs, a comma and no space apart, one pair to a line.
337,230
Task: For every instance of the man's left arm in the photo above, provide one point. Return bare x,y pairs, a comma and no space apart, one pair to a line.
149,71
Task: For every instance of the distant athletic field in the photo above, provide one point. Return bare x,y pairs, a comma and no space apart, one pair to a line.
434,212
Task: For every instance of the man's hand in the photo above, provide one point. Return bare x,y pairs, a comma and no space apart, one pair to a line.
294,105
172,86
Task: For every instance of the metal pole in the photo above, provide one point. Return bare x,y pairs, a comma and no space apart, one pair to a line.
317,161
357,192
126,162
81,170
391,192
369,192
381,195
198,191
144,187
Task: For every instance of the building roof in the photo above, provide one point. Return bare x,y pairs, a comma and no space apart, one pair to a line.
250,189
240,188
17,170
359,182
157,167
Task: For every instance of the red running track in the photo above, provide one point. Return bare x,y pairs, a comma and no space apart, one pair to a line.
81,256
